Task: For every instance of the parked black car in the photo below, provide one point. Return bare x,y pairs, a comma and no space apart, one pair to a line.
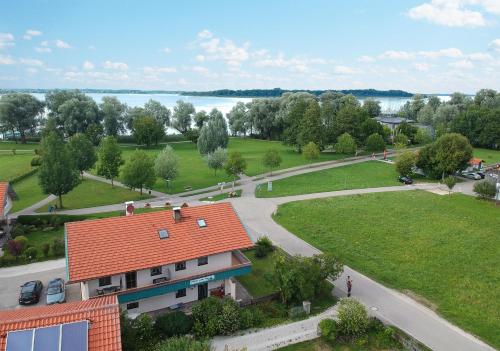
405,180
481,174
30,292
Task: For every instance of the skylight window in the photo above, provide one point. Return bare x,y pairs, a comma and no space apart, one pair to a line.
201,222
163,233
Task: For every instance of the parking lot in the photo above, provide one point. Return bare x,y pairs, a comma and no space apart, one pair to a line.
11,280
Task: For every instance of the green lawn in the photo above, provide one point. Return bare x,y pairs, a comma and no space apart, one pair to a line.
12,166
259,283
444,250
219,197
368,174
253,150
90,193
489,156
28,192
10,145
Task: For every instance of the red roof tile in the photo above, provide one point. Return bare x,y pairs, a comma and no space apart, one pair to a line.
103,314
3,193
103,247
475,161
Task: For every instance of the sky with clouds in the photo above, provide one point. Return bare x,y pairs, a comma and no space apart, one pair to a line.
427,46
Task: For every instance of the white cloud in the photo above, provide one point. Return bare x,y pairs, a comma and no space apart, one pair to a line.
449,52
6,40
32,71
421,66
200,69
462,64
31,62
115,65
479,56
397,55
87,65
495,45
205,34
166,50
43,49
30,33
61,44
455,13
200,58
344,70
91,47
366,59
6,60
156,70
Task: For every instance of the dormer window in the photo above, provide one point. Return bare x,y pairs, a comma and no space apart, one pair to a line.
201,222
163,233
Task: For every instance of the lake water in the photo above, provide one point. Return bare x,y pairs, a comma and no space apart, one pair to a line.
224,104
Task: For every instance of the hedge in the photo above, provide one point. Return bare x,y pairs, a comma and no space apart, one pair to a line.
129,139
53,220
23,176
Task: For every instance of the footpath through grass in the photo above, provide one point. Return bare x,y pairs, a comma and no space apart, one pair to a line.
368,174
443,249
91,193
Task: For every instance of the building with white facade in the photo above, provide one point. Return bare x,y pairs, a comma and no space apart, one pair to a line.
161,259
7,196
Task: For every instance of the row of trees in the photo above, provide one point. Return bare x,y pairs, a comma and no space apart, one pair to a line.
477,118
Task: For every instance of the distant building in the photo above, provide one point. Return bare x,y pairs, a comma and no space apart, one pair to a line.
475,164
390,120
158,260
92,325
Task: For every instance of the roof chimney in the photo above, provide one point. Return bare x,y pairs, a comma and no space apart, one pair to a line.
176,213
129,208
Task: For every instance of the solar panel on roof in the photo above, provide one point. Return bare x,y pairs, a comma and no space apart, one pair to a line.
74,336
47,338
20,340
61,337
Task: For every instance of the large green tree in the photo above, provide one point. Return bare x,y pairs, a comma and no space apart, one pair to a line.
237,119
217,159
271,159
200,118
311,129
83,152
405,163
167,164
213,134
372,107
375,143
235,165
159,112
20,113
114,115
183,115
110,158
57,174
346,144
147,131
138,172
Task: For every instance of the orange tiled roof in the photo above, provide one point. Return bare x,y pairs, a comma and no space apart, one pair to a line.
475,161
103,313
3,193
103,247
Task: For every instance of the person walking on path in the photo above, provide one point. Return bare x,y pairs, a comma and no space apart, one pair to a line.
349,286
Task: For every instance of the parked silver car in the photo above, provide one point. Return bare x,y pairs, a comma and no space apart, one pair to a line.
56,291
471,175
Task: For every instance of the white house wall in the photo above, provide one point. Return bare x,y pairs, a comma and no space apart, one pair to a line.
144,278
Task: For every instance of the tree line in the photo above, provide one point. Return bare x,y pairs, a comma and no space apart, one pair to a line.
477,118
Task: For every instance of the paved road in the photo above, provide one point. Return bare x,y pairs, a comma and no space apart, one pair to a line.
13,277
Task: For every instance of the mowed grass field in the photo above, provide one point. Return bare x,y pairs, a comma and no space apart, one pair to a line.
489,156
368,174
13,166
90,193
443,250
28,192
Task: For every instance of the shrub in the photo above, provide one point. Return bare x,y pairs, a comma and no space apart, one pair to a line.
328,329
58,247
375,143
251,317
183,343
23,242
405,163
36,161
375,325
173,324
31,253
205,315
450,182
230,320
144,328
16,246
352,318
17,230
7,260
263,246
401,139
485,189
45,249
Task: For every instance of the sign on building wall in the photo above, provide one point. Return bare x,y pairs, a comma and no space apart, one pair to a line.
202,280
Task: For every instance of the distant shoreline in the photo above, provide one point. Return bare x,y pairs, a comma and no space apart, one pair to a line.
250,93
